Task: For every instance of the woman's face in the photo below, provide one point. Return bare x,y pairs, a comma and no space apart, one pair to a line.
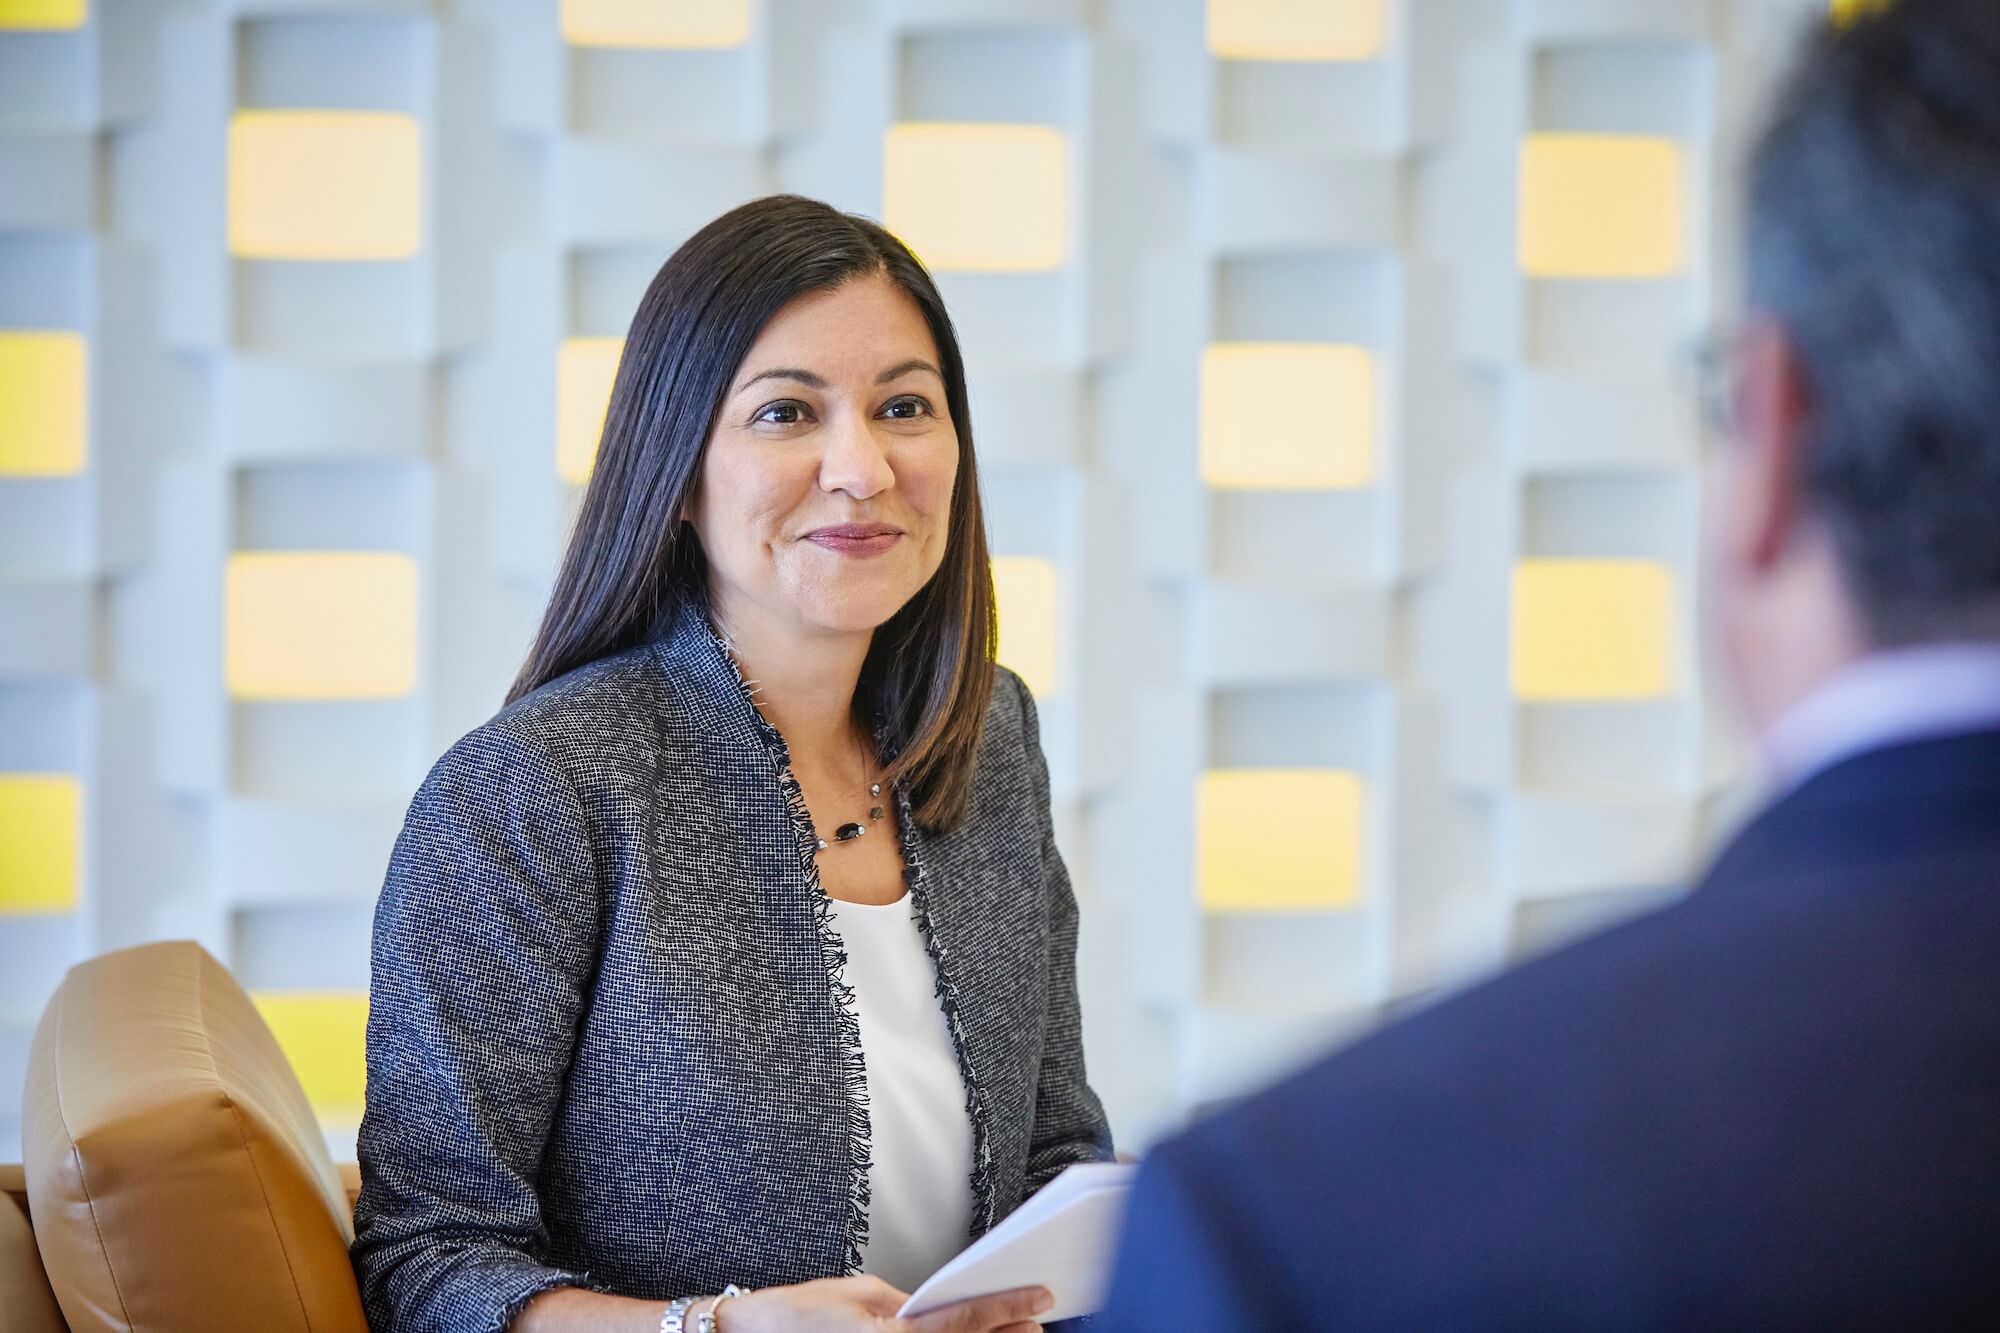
824,499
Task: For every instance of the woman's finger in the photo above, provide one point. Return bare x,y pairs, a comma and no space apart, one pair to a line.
878,1297
987,1313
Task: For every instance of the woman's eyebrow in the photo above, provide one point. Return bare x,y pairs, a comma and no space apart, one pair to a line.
905,367
805,377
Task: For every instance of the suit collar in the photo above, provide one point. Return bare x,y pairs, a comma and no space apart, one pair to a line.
1889,698
1897,803
705,678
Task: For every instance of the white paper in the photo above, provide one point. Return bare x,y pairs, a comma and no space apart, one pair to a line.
1061,1239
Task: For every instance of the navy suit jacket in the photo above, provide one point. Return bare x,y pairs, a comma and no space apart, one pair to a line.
1775,1104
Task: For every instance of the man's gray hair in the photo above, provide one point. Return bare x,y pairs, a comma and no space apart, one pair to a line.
1875,242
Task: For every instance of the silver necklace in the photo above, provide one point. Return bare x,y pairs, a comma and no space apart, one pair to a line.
848,832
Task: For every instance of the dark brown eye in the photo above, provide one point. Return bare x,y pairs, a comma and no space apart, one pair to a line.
907,408
786,413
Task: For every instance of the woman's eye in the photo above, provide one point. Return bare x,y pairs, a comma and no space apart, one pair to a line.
787,413
907,408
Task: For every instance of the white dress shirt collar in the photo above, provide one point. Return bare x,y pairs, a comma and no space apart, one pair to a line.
1887,698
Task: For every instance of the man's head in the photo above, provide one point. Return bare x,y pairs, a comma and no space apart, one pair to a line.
1858,502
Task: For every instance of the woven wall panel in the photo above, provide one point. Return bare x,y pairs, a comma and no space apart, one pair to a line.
1318,385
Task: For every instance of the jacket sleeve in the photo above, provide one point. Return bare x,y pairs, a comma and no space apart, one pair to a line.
1190,1257
1070,1125
485,940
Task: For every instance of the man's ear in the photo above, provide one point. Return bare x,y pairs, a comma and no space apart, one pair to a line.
1773,413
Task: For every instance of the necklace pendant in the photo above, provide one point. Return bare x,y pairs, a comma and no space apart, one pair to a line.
848,832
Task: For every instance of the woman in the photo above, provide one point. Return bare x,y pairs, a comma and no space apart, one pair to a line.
736,949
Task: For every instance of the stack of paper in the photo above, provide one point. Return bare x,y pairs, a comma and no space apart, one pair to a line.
1062,1239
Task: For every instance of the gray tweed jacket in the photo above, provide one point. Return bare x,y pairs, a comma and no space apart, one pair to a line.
609,1043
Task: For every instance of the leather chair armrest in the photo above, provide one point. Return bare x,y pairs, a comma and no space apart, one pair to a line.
14,1182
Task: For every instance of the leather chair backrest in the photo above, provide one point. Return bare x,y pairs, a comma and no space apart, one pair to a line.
176,1175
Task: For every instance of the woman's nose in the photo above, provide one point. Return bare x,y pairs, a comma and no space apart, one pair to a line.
855,461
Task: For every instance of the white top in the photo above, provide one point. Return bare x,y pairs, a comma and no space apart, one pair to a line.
1887,698
920,1209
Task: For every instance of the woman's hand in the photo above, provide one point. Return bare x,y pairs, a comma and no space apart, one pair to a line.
869,1305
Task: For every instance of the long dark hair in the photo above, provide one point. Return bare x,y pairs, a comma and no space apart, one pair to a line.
633,565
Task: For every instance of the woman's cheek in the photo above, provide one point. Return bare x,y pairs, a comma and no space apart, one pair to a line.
937,480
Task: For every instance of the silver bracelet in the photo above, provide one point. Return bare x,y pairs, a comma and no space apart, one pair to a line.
675,1319
705,1321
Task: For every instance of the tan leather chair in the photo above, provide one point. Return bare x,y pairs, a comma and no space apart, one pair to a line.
26,1303
176,1177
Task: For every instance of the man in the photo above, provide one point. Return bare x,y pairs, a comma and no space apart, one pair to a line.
1775,1104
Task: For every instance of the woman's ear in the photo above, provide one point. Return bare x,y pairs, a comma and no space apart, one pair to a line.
690,503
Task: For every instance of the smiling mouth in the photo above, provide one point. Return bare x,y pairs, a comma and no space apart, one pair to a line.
856,539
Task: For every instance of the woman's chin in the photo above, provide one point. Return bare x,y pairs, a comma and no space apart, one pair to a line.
860,614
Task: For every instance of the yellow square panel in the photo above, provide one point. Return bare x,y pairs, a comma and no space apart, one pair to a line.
977,198
44,403
41,842
681,24
1846,11
324,1035
43,15
320,625
329,185
1278,840
1600,206
1287,416
1026,590
1295,29
1592,630
585,368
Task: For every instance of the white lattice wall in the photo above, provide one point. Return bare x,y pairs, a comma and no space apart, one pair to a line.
1329,411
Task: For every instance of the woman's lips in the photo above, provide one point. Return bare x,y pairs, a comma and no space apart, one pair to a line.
856,539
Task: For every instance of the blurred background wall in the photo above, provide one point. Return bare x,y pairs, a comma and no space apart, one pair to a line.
1329,380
